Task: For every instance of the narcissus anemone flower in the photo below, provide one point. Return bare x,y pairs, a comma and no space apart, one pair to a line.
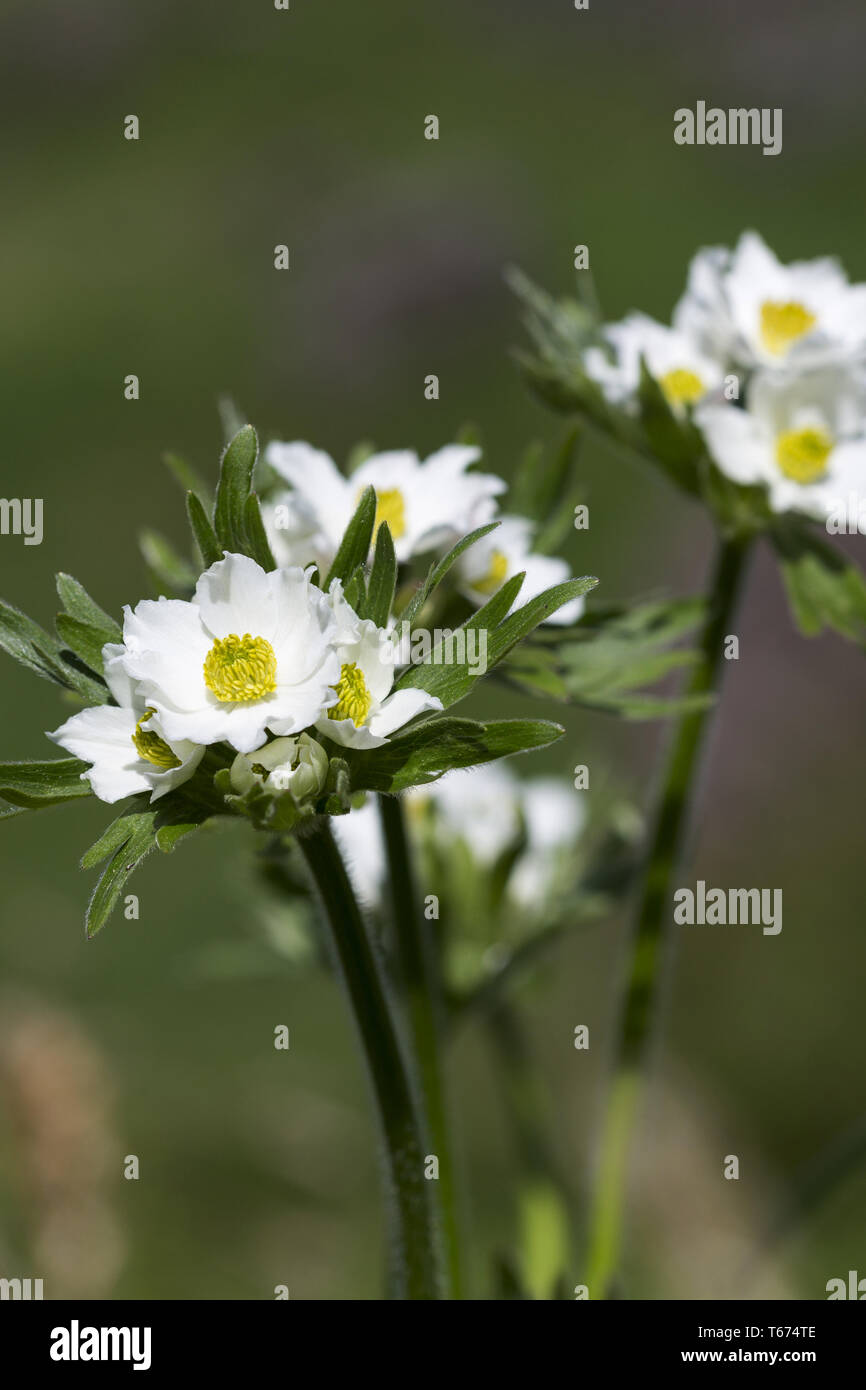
496,557
252,651
125,743
426,505
803,436
685,374
366,711
745,307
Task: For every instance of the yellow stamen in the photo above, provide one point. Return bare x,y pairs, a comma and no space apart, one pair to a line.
802,454
239,669
682,387
353,697
151,747
782,324
495,576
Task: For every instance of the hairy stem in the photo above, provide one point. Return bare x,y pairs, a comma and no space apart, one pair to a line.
649,945
415,1261
418,961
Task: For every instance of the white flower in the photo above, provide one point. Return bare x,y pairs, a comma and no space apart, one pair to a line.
125,743
803,436
554,814
496,557
478,806
484,807
366,712
747,308
685,374
252,651
427,505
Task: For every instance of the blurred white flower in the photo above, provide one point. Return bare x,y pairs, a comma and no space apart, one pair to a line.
496,557
126,743
685,374
427,505
803,436
745,307
555,815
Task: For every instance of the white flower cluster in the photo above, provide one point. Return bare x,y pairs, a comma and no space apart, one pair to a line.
428,506
252,653
482,809
794,336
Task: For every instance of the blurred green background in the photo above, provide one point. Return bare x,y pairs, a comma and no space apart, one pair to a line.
305,127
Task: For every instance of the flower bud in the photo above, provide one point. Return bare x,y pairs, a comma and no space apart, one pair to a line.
297,765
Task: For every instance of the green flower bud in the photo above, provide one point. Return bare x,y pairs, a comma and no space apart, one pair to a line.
296,765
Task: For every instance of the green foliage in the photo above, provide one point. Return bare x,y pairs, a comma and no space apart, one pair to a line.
436,746
612,656
454,681
54,660
32,785
355,545
825,590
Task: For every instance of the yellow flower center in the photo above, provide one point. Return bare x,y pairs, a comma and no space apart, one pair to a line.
682,387
391,507
802,454
151,747
783,324
495,576
353,697
239,669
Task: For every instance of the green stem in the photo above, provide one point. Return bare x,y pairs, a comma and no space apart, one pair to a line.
650,941
418,960
414,1247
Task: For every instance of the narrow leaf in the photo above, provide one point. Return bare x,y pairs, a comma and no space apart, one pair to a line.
36,784
205,536
355,545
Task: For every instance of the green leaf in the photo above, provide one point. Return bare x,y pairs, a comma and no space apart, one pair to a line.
36,649
383,579
355,545
78,604
451,680
824,588
615,655
128,840
82,639
258,546
235,485
437,572
354,591
205,536
172,575
433,748
32,785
